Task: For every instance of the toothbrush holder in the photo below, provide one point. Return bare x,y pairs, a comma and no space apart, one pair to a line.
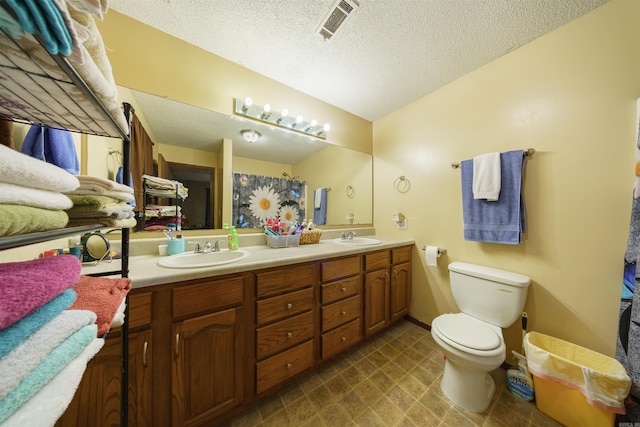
175,246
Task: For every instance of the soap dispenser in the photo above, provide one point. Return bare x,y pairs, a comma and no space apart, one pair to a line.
234,238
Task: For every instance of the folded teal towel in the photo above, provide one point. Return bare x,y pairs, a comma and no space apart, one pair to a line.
59,357
13,335
43,17
9,25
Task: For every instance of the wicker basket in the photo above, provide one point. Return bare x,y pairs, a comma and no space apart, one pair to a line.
310,237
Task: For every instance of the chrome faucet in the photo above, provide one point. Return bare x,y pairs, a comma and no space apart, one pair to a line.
207,247
197,249
348,235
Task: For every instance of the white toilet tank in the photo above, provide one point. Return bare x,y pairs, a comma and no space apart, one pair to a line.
494,296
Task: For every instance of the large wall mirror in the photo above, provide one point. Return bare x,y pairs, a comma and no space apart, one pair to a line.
203,149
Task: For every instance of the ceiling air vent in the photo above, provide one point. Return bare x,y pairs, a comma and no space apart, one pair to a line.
338,13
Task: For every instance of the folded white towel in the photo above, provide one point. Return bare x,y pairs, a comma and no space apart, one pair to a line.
18,195
50,402
16,365
95,183
486,176
118,318
97,190
20,169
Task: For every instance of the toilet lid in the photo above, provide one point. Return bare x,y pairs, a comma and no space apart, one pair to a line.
467,332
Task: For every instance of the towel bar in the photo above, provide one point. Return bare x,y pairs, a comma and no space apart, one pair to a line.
529,152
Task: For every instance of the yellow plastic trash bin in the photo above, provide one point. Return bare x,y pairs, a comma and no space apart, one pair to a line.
574,385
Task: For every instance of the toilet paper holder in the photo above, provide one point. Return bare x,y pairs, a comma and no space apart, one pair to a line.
441,251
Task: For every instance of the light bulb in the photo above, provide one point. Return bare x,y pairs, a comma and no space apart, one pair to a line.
313,123
299,119
266,112
267,108
326,127
283,115
248,102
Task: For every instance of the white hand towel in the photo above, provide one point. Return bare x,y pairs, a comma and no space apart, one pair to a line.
317,197
486,177
20,169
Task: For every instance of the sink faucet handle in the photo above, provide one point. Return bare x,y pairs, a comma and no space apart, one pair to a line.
197,248
216,245
207,246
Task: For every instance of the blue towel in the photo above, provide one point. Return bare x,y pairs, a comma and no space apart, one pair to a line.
43,17
119,180
320,213
53,146
55,361
502,221
9,25
13,335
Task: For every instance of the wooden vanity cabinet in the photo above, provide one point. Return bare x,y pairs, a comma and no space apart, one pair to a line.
97,400
387,287
400,288
341,305
284,324
207,368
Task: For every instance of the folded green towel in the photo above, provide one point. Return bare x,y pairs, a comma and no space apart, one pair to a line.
18,219
86,203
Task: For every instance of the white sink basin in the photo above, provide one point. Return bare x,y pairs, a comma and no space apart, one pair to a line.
358,241
199,260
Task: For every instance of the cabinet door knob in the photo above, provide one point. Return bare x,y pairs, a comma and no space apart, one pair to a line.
343,339
289,306
144,354
289,365
343,313
343,289
289,335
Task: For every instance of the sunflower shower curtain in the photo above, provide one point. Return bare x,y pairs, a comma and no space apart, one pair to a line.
628,345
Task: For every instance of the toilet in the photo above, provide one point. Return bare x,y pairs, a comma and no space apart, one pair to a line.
489,300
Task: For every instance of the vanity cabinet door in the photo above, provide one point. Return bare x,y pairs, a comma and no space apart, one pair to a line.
376,306
207,367
400,290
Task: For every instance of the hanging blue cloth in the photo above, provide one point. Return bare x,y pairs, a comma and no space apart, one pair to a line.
120,180
53,146
43,17
320,206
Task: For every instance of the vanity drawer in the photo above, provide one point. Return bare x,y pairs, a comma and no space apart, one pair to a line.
277,369
282,306
341,312
207,296
341,289
139,309
376,260
284,334
335,269
341,338
284,280
399,255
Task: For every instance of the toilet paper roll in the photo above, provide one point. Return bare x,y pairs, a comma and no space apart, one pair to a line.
432,254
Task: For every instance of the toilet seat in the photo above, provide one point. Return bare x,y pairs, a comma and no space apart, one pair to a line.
467,334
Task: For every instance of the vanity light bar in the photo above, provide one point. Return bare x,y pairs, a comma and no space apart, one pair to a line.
283,119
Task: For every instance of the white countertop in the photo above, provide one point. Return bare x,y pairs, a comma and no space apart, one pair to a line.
145,271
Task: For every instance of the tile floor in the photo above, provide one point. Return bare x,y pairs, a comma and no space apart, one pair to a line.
390,380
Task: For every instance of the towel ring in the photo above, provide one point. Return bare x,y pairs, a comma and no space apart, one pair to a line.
351,192
402,184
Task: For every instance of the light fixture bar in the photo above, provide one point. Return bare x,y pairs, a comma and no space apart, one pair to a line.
284,119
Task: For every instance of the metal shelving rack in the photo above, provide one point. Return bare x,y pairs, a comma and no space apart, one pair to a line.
22,68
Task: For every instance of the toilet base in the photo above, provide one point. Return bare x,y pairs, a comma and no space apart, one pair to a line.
470,390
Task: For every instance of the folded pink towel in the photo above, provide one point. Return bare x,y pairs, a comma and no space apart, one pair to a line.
101,295
28,285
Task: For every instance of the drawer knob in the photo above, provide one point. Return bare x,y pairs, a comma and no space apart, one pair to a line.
343,313
289,365
343,338
289,306
343,289
289,335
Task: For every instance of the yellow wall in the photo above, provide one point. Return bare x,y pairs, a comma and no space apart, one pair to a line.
149,60
571,95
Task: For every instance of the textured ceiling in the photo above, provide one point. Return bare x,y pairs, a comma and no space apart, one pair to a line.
387,54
